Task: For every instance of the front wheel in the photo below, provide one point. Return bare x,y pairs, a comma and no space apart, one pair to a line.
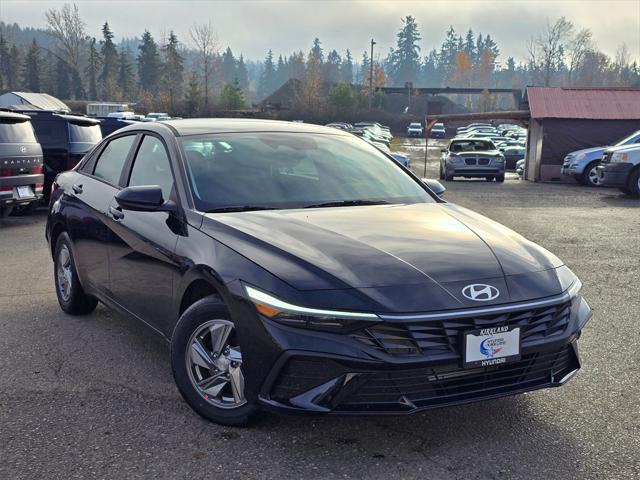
441,172
206,359
489,178
590,177
633,184
500,178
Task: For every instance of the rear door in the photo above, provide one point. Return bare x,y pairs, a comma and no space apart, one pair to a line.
142,258
87,206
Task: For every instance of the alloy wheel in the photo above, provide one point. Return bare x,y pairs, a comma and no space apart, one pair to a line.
214,363
594,179
64,275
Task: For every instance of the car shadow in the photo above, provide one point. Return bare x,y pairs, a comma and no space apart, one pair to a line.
619,199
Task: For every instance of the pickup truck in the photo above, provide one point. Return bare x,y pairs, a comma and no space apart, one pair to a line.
414,130
621,168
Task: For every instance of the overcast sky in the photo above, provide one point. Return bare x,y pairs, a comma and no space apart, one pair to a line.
252,27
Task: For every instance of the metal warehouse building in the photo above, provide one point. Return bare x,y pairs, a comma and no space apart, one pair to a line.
563,120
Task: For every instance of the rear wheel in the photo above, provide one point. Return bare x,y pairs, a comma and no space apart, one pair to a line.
633,184
71,296
5,211
441,172
500,178
25,209
590,176
206,359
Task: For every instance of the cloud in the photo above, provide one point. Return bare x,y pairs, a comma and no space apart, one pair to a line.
252,27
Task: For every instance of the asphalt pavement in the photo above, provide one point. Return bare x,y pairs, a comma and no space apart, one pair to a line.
93,397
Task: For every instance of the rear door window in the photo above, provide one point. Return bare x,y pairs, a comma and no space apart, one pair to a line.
112,159
84,132
16,132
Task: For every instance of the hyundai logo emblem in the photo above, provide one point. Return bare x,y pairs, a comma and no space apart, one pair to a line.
480,292
23,149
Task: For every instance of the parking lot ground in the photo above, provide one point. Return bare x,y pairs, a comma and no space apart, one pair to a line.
93,397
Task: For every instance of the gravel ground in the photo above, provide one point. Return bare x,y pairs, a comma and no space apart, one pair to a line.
93,397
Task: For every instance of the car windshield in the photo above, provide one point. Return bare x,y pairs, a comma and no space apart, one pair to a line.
415,125
292,170
84,132
16,132
470,146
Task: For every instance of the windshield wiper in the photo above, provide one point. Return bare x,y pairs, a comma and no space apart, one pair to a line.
348,203
240,208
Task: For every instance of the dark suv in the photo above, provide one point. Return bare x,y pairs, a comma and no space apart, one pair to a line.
21,175
64,139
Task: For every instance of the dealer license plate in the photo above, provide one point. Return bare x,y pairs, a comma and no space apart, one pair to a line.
491,346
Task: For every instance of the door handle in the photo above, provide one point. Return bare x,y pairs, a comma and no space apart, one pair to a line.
116,213
77,188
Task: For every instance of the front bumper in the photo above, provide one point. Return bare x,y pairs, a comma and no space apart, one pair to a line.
319,372
615,174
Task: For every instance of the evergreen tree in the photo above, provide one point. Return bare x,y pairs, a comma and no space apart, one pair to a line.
346,70
316,50
447,56
332,67
232,96
242,74
4,63
490,45
193,95
92,69
267,79
296,66
282,71
62,84
31,69
125,74
107,80
470,45
13,76
405,59
479,48
365,66
148,64
228,66
173,70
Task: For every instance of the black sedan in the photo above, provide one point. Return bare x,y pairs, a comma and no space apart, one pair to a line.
297,268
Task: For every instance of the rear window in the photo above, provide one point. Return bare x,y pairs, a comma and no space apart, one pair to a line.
84,132
17,132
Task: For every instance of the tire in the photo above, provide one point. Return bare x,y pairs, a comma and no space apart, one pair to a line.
6,211
489,178
220,402
500,178
589,177
71,296
633,184
441,173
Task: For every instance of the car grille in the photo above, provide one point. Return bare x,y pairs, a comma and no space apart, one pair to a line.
483,161
427,386
470,161
441,338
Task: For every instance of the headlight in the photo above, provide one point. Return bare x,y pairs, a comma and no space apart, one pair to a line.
498,159
581,156
569,282
619,157
455,158
297,316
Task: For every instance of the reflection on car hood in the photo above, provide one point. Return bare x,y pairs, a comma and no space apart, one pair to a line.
587,151
439,246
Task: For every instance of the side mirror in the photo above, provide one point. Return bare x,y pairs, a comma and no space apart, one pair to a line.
144,199
435,186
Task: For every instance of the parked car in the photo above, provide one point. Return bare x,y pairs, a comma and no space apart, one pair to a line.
438,131
415,130
157,115
340,125
472,158
21,176
376,129
582,164
520,168
512,155
249,246
474,125
621,168
401,158
108,125
64,139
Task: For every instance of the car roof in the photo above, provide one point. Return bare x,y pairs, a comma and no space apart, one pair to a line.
14,116
202,126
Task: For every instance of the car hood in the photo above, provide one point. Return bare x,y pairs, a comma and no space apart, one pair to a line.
383,250
588,151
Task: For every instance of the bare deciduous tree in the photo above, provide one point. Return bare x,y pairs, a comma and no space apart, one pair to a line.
66,26
206,42
547,51
578,46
